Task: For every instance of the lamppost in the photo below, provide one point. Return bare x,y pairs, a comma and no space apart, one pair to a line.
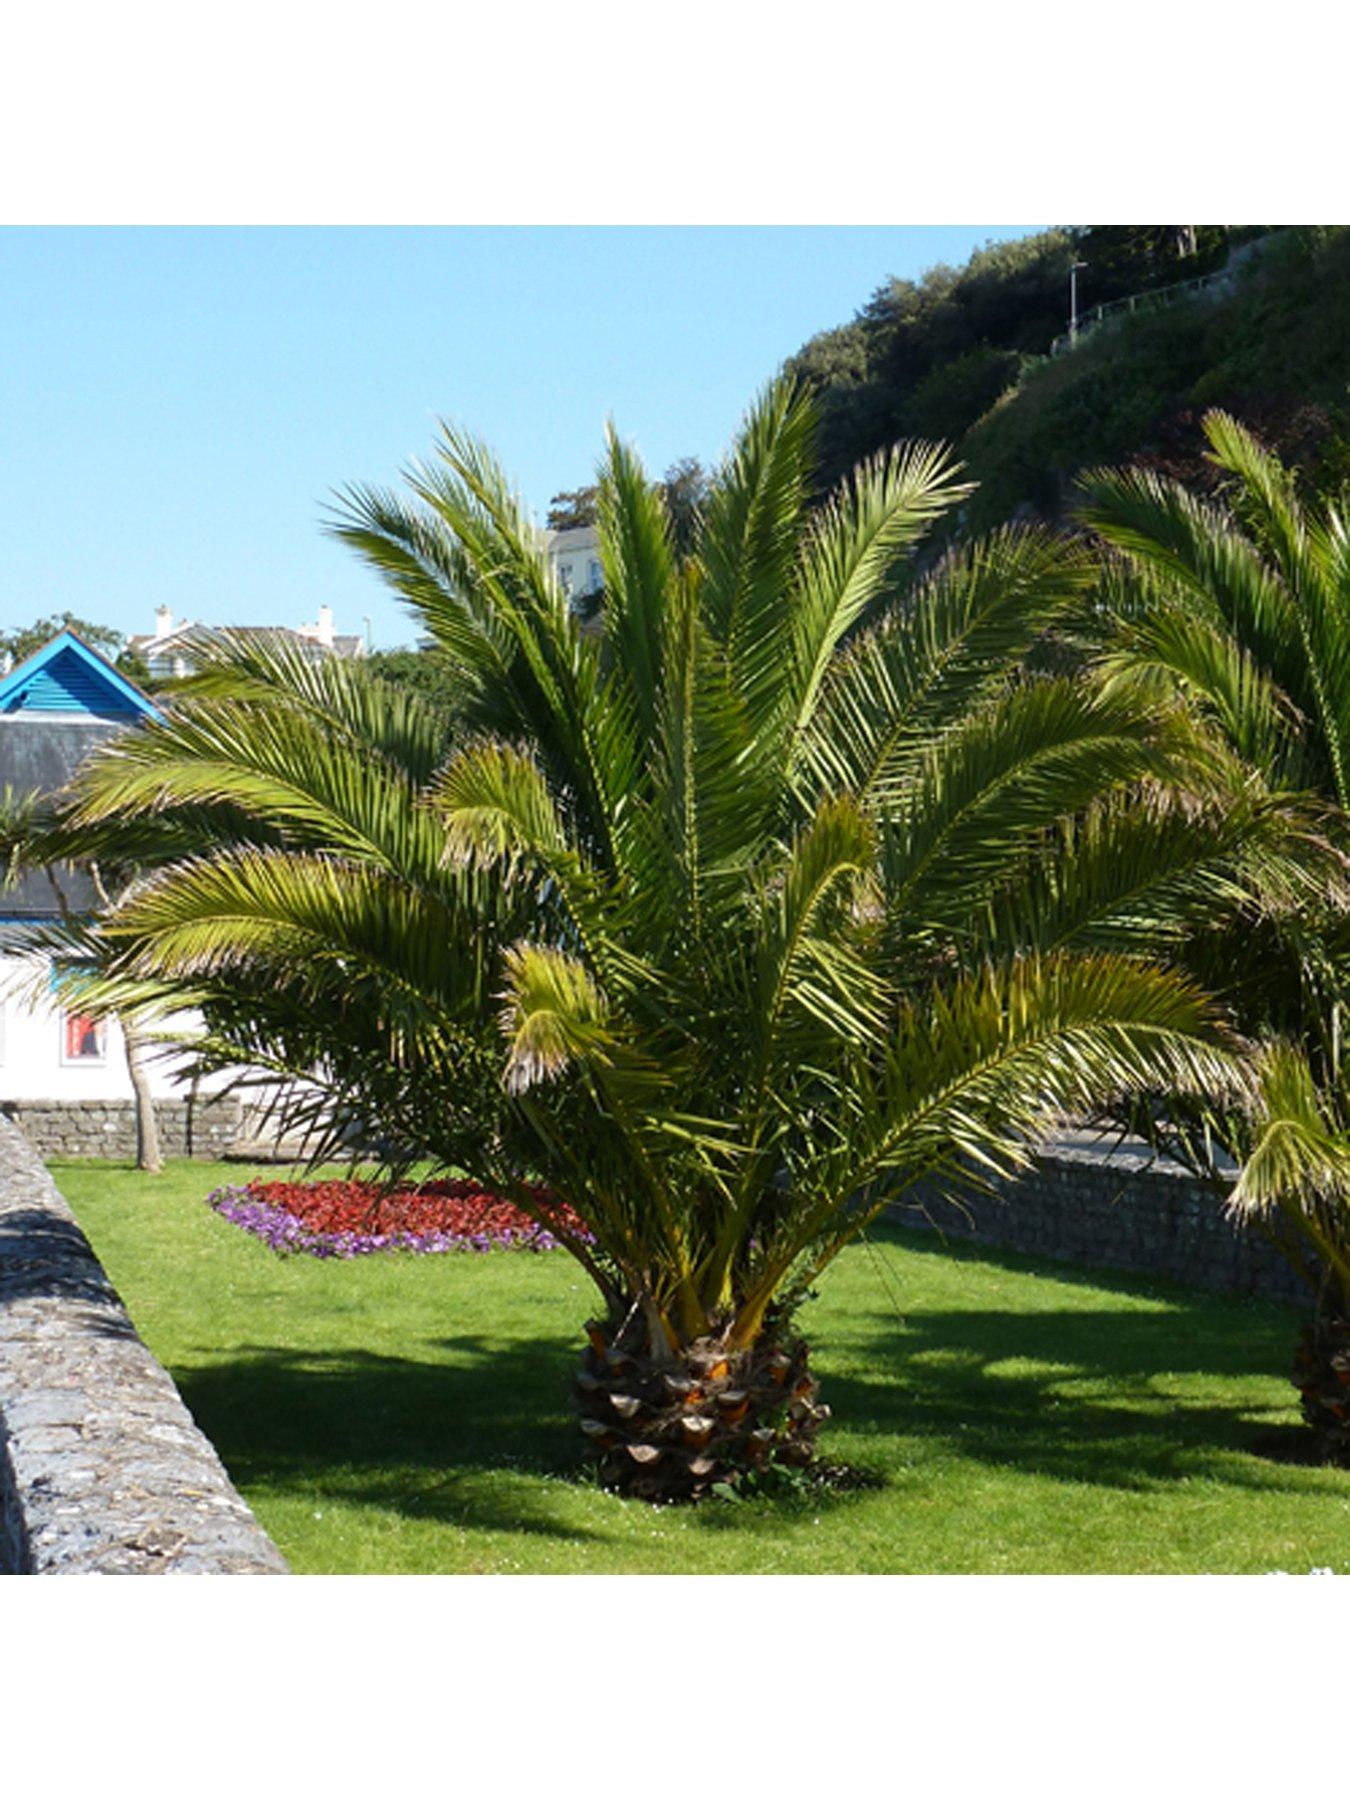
1073,300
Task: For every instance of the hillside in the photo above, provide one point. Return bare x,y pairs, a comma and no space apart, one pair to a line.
964,356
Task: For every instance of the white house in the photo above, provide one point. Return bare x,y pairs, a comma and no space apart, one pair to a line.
575,556
170,650
55,707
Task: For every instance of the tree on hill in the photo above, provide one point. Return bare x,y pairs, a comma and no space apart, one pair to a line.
686,488
925,358
928,358
1270,348
1127,259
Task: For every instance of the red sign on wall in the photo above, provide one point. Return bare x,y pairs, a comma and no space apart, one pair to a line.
83,1039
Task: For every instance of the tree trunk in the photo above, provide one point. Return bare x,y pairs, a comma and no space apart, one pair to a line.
671,1430
147,1127
1322,1377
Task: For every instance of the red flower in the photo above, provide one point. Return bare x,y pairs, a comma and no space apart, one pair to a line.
460,1208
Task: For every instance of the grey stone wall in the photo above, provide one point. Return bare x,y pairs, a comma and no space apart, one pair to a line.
102,1469
1120,1210
205,1127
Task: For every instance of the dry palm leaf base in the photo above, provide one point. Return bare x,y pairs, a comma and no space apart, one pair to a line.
1322,1376
676,1429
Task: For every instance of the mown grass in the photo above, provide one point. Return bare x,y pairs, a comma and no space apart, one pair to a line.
410,1415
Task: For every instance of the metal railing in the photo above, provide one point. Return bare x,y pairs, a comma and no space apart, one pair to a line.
1151,300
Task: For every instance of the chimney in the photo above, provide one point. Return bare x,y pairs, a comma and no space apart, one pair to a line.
324,629
163,621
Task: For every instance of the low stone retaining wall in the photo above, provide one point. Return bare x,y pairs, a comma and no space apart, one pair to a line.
102,1469
1117,1209
207,1126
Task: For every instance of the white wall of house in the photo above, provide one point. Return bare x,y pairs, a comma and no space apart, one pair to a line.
575,555
35,1041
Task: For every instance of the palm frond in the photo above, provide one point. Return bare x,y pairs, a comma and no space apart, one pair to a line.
753,524
937,656
848,555
554,1015
638,563
985,791
1301,1153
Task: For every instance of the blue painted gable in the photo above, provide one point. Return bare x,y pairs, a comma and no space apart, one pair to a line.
68,679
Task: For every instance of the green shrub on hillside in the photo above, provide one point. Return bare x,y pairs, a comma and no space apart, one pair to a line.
962,355
1275,350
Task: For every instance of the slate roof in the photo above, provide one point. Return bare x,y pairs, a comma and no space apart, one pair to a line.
39,754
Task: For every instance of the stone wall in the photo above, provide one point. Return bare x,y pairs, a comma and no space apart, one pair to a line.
1117,1209
208,1126
102,1469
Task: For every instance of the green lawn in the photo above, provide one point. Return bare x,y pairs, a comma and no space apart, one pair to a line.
410,1415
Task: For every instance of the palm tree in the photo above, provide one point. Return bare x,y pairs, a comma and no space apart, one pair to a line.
1240,603
730,922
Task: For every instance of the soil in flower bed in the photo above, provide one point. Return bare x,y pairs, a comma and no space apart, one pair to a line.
363,1218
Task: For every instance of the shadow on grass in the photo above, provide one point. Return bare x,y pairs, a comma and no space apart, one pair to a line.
427,1439
1113,1396
951,1247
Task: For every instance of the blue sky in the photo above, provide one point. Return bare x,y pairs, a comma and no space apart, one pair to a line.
176,405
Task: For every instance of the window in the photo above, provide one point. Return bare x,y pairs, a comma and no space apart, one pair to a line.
565,577
594,576
84,1042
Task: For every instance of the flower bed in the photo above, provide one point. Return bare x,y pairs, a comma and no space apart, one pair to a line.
362,1218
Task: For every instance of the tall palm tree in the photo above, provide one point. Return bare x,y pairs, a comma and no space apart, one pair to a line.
1240,603
729,923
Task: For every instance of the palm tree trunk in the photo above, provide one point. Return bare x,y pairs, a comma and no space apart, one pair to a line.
1322,1376
673,1429
148,1155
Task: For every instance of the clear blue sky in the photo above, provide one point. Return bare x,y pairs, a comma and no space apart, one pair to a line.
176,405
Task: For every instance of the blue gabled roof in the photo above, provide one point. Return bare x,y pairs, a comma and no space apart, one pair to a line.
69,679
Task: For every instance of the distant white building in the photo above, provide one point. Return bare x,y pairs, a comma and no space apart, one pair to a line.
170,651
575,557
55,707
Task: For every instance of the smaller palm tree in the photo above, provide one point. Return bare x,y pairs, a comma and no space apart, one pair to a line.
786,890
1239,603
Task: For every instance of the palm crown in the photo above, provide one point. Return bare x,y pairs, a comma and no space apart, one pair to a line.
731,921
